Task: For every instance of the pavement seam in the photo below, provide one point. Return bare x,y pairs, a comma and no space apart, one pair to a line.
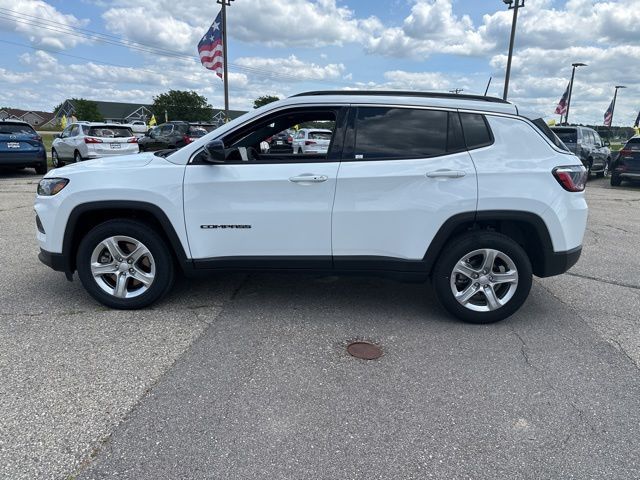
104,443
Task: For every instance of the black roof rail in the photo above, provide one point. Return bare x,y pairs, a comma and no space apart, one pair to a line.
402,93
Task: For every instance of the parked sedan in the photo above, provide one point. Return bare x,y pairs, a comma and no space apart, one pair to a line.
170,135
312,141
21,146
626,165
84,141
281,143
588,146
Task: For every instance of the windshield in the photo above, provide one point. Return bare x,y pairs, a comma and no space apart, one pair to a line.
544,128
16,129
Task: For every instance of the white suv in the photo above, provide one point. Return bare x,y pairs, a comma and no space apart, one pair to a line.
458,188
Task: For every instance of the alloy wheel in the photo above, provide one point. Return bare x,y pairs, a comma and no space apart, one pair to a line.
484,280
123,266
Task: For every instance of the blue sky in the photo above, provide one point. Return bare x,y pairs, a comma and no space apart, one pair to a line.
284,48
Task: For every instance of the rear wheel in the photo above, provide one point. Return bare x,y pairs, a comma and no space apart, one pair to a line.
125,264
482,277
615,180
57,163
77,157
41,169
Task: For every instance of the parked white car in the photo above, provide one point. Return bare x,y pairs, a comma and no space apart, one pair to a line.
461,189
138,127
88,140
311,140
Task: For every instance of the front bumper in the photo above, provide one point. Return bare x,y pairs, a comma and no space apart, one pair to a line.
556,263
57,261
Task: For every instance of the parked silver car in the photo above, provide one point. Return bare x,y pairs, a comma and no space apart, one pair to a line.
312,140
84,141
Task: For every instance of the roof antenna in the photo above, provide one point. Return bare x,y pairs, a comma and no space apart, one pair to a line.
488,84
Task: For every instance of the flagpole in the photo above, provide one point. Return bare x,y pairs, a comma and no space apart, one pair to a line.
613,107
225,4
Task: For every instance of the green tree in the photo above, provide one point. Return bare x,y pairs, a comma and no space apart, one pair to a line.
264,100
181,105
86,110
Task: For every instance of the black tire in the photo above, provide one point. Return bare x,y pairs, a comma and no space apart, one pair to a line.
57,163
589,167
162,256
41,169
465,244
615,180
77,157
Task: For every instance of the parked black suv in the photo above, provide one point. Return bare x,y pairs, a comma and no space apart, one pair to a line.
170,135
588,146
626,165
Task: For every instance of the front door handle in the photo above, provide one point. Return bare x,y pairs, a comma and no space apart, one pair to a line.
309,178
446,174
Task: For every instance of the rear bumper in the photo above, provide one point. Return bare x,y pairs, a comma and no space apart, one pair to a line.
23,159
57,261
629,175
556,263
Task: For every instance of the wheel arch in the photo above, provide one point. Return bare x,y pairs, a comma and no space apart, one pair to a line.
526,228
86,216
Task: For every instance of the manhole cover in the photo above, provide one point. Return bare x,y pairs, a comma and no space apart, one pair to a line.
364,350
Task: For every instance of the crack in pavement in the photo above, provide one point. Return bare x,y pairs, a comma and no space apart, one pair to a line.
603,280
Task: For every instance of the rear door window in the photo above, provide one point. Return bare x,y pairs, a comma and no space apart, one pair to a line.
396,133
567,135
476,131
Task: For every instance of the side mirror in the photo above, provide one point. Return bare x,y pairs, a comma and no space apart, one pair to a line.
58,135
606,143
214,152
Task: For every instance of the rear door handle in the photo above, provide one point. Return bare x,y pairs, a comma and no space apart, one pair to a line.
309,178
446,174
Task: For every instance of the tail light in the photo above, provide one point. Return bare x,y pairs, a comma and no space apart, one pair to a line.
572,179
626,153
92,140
309,142
133,140
289,139
187,139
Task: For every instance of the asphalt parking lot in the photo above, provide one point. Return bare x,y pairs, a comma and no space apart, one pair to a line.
241,376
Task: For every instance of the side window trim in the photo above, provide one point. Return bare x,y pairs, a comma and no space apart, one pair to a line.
492,138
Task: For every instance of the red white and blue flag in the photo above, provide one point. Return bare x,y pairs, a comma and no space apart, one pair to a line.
210,47
608,115
561,109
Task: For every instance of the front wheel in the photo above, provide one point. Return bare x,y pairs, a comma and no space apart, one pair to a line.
125,264
482,277
41,169
77,157
55,159
615,180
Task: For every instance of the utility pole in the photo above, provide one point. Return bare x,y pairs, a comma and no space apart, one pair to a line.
225,4
515,8
573,74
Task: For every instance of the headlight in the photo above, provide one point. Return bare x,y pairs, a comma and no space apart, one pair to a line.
50,186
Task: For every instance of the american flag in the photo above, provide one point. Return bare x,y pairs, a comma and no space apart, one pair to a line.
210,47
561,109
608,115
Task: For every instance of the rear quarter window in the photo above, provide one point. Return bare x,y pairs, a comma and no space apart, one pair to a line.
543,128
633,144
476,131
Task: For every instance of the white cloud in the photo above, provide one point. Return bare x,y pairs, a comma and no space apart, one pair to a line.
41,23
292,69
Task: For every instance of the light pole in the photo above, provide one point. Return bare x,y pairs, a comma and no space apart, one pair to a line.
613,107
573,74
513,5
225,4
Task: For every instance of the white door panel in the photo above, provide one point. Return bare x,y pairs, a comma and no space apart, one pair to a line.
286,206
392,208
